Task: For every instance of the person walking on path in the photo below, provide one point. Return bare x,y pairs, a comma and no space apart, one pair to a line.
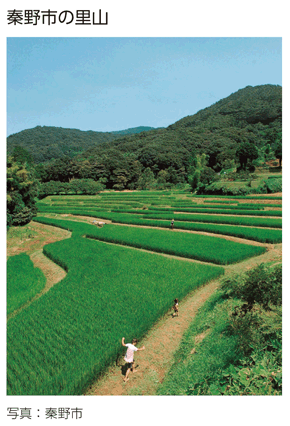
172,224
175,308
129,357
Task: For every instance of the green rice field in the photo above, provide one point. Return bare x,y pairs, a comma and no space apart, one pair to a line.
67,338
118,283
24,281
193,246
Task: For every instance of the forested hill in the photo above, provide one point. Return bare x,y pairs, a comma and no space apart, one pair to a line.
45,143
251,114
251,105
133,130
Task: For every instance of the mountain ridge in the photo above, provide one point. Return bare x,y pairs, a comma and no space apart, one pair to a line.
52,141
253,114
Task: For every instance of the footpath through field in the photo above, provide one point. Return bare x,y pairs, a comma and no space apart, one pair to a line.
162,341
33,247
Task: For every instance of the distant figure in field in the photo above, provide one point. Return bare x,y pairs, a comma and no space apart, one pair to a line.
99,224
129,357
175,308
172,224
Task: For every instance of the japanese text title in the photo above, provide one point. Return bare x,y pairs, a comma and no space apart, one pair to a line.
51,17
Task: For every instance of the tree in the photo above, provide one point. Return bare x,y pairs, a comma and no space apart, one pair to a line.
197,164
162,179
20,155
278,149
146,180
62,169
207,176
21,193
246,153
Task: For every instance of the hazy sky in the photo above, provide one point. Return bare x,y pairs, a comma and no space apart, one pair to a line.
107,84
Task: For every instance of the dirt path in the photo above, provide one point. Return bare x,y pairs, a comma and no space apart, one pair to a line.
162,341
53,273
40,236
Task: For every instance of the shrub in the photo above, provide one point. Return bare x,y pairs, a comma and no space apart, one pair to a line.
271,186
219,188
75,186
262,285
22,190
240,354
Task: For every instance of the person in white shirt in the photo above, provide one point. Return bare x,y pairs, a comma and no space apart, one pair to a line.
129,357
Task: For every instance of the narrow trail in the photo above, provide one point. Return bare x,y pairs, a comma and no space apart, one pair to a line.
33,247
160,344
53,274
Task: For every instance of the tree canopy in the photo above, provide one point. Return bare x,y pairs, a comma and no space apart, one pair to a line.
21,193
245,124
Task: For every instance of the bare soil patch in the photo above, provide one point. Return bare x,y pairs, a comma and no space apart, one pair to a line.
53,273
40,236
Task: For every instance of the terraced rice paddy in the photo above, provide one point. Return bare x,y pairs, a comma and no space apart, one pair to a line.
193,246
66,338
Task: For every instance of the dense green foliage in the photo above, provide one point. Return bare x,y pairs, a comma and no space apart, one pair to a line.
133,130
24,281
229,350
45,143
191,151
271,185
278,148
261,285
21,193
63,341
75,186
246,153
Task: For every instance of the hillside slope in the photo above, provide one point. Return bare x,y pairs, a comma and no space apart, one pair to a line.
46,142
251,114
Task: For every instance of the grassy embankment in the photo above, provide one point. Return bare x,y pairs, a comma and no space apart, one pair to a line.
234,345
